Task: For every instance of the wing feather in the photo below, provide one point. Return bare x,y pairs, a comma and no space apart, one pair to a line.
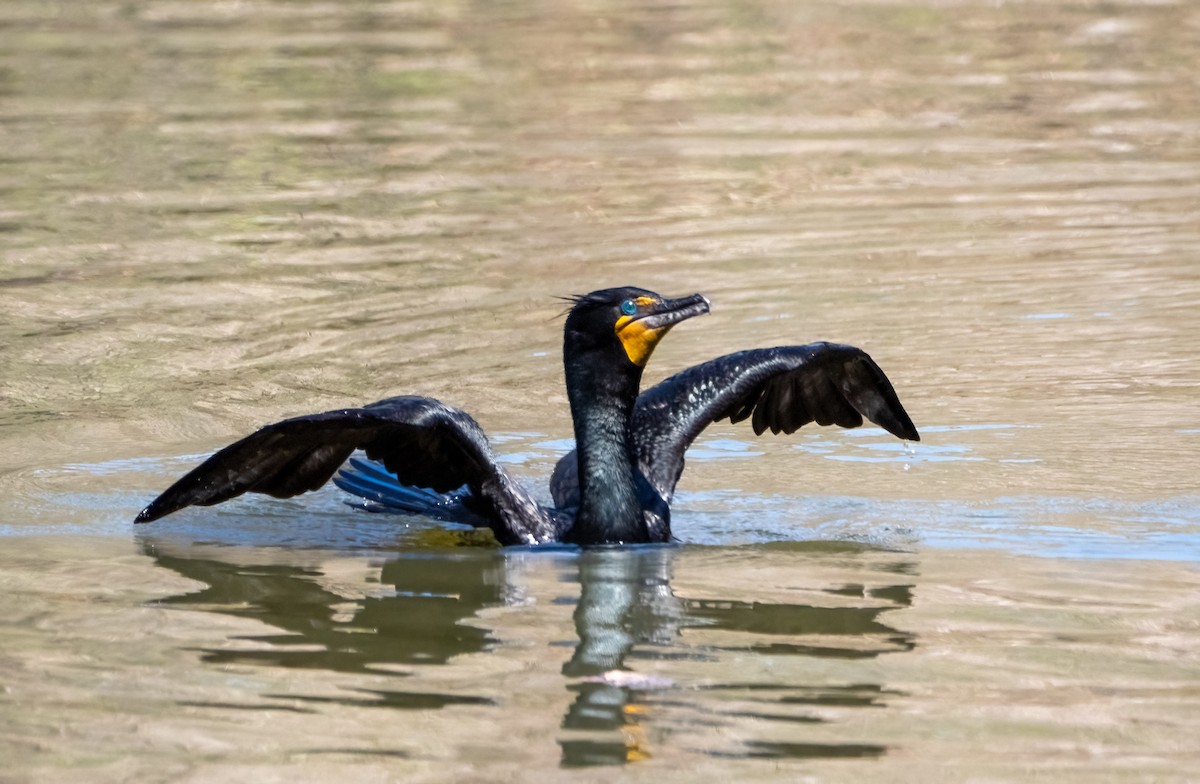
422,441
779,389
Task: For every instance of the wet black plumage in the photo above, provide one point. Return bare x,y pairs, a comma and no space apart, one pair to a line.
616,487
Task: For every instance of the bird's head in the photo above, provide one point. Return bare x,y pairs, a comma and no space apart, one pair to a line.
624,324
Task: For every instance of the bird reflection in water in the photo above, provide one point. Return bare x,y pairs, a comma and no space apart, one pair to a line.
428,613
417,621
628,611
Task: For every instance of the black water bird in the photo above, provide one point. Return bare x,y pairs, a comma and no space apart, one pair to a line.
616,487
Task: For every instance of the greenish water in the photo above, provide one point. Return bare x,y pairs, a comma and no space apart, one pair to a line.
215,215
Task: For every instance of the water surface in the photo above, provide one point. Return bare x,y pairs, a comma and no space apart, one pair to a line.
215,215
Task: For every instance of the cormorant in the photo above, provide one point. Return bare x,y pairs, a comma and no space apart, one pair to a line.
616,487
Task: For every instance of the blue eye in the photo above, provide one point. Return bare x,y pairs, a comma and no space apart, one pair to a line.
629,307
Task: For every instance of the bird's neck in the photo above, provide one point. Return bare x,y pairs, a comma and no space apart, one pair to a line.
601,405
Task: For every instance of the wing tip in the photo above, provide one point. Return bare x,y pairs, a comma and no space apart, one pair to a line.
155,510
908,431
903,428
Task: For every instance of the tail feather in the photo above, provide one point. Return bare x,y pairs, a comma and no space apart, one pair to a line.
376,470
366,476
382,492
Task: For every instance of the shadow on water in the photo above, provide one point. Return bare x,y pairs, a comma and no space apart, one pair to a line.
426,611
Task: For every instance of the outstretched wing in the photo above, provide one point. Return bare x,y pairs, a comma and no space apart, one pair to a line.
778,389
424,442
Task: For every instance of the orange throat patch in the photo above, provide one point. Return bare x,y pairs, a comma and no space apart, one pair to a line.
637,339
